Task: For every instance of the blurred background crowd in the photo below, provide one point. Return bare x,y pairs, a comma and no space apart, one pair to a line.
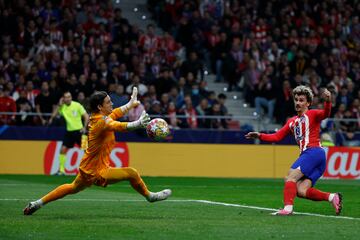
260,48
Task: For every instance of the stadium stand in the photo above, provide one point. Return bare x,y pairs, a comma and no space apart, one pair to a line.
207,47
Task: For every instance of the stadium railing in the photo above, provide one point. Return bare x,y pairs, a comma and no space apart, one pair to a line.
256,121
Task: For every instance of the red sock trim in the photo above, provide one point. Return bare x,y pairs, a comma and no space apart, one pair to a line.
317,195
289,193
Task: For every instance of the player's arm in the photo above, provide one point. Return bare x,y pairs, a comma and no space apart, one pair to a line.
142,122
121,111
38,111
56,110
325,113
85,118
275,137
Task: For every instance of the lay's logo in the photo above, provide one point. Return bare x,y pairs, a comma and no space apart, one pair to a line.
343,162
119,157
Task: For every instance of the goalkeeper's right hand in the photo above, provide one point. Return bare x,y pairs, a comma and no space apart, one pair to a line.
134,102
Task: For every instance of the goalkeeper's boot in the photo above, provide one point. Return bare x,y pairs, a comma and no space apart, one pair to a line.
159,196
31,208
337,203
282,212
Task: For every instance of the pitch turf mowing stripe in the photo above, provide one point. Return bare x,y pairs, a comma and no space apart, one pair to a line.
191,200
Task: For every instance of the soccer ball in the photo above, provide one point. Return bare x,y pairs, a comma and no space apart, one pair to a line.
157,129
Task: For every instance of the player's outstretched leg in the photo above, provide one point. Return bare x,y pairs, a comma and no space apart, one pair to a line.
334,198
304,190
55,194
113,175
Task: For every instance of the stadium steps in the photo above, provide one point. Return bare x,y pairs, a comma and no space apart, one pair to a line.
140,18
237,106
234,102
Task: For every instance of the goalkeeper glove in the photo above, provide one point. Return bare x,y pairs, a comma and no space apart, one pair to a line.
142,122
134,102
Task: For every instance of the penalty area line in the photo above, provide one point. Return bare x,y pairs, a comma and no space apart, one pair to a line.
191,201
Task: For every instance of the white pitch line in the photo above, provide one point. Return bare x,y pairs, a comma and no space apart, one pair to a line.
190,200
152,185
273,209
97,200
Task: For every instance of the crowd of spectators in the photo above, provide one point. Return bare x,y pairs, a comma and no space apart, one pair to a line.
262,48
266,48
50,47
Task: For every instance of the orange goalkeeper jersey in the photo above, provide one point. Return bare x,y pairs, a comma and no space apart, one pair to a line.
101,141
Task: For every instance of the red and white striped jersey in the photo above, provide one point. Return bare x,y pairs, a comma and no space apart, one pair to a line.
305,128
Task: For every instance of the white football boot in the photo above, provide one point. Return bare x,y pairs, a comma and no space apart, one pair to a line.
31,208
159,196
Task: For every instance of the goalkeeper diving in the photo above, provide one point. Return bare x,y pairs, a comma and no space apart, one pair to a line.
94,167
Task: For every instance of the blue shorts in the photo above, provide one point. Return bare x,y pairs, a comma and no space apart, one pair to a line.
312,163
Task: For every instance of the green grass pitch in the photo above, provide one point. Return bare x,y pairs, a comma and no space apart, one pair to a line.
118,212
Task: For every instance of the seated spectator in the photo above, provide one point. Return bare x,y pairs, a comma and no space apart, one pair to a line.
165,82
265,97
344,97
203,110
251,78
8,105
156,109
118,97
193,65
24,108
195,94
348,126
164,101
82,100
45,103
190,120
172,116
135,82
176,97
217,123
222,99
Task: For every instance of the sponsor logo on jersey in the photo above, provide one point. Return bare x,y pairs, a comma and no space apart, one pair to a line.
298,135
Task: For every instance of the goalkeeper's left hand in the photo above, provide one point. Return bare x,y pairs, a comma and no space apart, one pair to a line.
142,122
144,119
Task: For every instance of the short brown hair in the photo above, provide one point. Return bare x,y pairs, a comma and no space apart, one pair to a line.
96,99
304,90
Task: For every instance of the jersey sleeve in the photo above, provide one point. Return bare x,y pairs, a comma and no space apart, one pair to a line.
116,114
321,114
81,109
61,110
278,136
111,124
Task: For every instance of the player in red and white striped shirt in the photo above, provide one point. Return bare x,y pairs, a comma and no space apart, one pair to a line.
310,165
